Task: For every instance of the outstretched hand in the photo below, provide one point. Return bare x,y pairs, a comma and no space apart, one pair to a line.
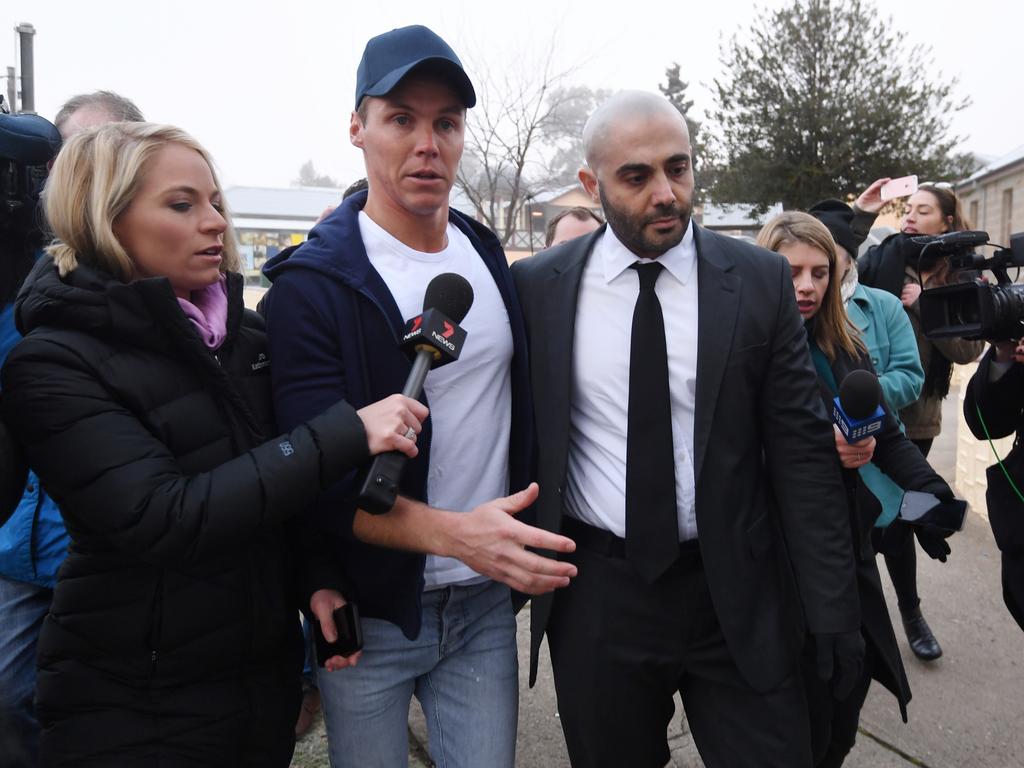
493,543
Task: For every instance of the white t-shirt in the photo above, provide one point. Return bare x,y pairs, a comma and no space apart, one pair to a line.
470,399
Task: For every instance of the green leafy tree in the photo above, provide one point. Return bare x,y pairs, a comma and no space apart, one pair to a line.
819,99
674,90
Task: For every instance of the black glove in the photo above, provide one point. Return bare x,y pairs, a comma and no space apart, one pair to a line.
933,542
840,660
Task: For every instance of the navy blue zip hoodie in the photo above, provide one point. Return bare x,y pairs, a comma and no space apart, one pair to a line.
333,329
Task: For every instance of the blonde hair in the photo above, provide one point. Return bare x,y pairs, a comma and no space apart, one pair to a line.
833,330
96,176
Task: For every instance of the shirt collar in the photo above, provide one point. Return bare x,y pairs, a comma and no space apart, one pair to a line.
616,258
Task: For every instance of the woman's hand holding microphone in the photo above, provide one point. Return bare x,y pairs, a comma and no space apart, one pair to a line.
393,423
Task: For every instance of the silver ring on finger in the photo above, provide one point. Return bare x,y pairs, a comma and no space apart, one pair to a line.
410,433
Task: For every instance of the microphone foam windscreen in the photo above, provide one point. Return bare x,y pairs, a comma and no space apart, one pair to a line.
860,394
450,294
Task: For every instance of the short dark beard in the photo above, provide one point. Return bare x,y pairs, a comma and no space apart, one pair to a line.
630,229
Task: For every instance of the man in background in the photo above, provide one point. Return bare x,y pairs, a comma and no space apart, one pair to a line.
88,110
570,223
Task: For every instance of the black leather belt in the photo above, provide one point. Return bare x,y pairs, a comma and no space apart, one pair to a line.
607,543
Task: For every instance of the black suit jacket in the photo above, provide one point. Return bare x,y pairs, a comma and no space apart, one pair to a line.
765,459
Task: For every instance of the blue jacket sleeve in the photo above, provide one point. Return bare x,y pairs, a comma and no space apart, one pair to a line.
903,376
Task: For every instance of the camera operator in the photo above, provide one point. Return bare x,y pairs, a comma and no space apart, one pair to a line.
896,265
32,540
994,407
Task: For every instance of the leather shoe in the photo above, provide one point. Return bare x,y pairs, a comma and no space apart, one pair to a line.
919,635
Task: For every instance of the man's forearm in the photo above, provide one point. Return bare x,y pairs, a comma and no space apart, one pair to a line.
487,538
410,525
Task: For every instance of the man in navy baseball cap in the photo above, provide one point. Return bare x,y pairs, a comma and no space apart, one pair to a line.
440,627
389,57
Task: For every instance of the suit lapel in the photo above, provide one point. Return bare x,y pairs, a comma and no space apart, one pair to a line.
718,292
561,294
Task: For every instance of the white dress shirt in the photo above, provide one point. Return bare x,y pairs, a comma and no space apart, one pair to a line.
596,482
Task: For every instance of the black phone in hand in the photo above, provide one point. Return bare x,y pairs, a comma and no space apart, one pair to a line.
350,635
928,511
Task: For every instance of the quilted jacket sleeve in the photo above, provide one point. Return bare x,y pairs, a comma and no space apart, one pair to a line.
115,480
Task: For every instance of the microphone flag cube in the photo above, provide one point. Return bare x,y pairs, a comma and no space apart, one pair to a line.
855,430
433,331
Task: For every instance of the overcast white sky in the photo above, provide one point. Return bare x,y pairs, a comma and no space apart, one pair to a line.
266,86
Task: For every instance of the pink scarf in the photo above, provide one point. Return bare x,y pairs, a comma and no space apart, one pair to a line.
208,310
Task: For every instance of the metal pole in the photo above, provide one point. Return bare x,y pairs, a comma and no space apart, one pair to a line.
12,90
529,221
28,73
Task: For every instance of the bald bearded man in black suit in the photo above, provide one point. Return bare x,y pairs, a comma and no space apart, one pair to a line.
684,447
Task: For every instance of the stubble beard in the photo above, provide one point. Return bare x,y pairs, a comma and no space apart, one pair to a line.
631,230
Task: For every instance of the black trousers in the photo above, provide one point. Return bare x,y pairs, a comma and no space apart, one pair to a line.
834,721
900,553
621,648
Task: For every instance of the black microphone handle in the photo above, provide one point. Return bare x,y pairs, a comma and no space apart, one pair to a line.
420,368
380,488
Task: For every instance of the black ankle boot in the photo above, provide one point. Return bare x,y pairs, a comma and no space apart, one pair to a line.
919,635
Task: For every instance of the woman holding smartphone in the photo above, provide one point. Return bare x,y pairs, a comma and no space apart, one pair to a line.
141,395
895,265
837,350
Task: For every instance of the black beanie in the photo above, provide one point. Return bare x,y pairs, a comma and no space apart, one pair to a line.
838,217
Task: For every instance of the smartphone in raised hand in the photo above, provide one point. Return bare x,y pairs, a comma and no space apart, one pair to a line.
904,186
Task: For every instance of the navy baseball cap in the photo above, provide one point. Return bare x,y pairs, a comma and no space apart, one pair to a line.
391,56
28,139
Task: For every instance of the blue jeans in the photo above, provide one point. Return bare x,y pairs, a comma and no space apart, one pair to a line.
22,610
463,669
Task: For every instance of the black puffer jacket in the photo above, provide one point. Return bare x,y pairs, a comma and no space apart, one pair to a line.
171,640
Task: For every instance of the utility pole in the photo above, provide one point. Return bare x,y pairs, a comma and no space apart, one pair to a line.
26,33
12,90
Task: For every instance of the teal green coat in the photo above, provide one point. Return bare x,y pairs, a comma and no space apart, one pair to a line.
892,346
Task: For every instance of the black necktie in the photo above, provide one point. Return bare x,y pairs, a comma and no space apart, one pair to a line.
652,530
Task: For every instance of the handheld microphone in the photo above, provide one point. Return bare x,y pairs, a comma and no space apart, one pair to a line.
433,338
951,242
858,411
